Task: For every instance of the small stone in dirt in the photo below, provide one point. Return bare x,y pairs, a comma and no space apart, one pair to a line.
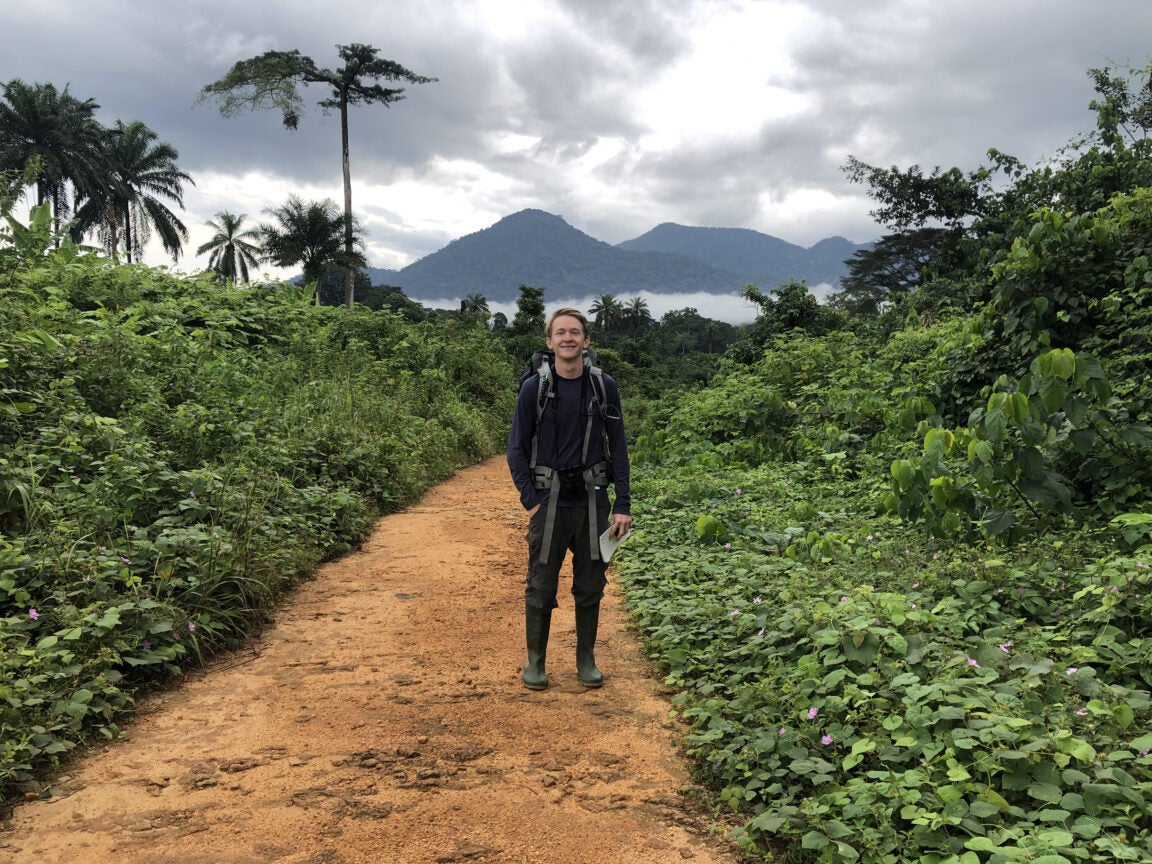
464,853
235,766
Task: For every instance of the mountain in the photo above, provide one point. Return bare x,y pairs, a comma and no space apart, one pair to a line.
753,257
536,248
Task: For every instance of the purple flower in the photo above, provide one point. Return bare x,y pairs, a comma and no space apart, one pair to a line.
727,545
737,491
191,493
843,598
33,614
734,613
125,560
756,600
869,537
826,740
783,729
972,662
191,626
1006,647
146,645
915,584
812,712
1071,670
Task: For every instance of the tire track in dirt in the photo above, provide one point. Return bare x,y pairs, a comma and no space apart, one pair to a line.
382,719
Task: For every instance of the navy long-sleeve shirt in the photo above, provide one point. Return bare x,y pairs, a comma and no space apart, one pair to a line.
561,439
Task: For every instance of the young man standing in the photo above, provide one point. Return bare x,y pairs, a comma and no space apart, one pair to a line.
567,444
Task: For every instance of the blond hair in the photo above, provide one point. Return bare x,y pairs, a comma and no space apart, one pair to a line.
567,310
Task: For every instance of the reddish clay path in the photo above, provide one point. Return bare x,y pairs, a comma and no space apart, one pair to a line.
382,719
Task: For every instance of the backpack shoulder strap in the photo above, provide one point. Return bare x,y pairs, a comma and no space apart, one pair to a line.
543,368
596,376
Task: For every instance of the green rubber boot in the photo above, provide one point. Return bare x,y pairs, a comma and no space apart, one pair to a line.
537,623
587,622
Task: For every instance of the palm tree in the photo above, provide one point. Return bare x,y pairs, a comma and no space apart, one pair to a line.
231,252
606,312
637,315
127,204
310,234
477,303
51,128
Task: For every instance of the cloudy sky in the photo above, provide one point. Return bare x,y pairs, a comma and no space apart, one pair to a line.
615,114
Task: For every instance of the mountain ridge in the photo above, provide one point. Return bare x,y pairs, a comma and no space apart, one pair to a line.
534,247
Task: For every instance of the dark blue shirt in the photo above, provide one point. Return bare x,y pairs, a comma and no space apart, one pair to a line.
561,438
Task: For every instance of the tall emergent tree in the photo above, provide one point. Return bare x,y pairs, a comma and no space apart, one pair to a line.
270,81
233,249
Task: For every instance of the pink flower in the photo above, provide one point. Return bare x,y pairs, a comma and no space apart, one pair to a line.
737,491
812,712
826,740
1071,670
191,626
1006,647
727,545
33,614
972,662
783,729
756,600
734,612
843,598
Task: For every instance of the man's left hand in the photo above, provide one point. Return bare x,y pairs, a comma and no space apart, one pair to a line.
621,525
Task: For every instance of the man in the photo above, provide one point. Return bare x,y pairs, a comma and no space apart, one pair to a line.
566,446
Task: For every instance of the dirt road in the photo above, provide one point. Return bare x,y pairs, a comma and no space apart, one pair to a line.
382,719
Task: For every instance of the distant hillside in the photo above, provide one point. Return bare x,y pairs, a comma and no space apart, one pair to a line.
536,248
753,257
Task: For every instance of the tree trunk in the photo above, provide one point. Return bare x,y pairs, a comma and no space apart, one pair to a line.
349,277
128,232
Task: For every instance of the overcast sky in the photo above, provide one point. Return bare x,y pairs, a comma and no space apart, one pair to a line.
617,115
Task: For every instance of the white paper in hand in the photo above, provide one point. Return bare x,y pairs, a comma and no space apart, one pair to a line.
608,543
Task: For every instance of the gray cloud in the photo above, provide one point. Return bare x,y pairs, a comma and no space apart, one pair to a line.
540,105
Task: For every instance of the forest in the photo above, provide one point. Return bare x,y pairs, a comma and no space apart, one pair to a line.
892,552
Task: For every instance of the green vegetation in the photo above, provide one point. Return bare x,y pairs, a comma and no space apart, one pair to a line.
176,452
895,556
901,572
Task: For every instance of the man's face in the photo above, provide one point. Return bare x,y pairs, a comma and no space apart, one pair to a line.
567,338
